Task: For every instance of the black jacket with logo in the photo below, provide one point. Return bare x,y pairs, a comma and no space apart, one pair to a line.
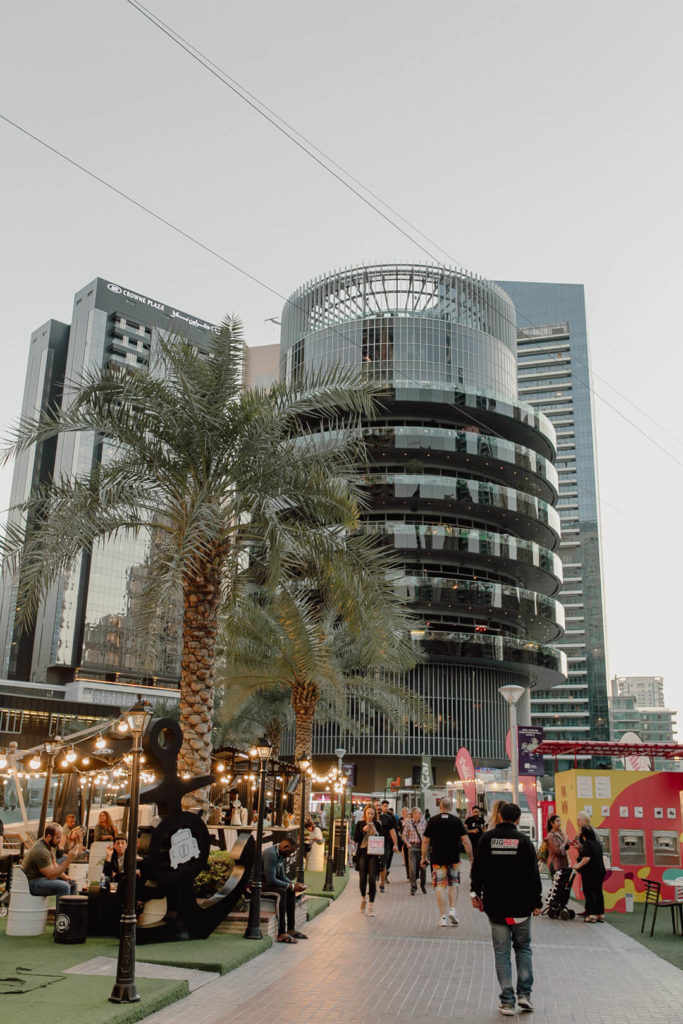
505,873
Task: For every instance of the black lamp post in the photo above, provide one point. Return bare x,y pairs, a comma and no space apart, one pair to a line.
50,752
329,868
341,846
303,764
262,750
125,989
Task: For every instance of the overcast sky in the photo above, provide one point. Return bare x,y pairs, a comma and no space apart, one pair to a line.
533,141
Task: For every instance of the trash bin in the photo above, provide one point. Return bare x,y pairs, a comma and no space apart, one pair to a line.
71,919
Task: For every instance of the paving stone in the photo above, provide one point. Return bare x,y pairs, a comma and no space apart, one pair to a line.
401,964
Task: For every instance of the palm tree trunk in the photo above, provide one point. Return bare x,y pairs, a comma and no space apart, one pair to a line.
201,598
305,696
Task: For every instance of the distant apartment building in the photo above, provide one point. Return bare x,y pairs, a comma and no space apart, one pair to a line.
553,377
648,691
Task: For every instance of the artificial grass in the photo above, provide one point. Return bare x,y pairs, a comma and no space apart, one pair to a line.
86,998
316,905
220,953
315,881
664,943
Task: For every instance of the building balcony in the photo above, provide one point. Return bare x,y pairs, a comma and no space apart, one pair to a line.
542,666
495,458
536,567
462,498
539,617
518,422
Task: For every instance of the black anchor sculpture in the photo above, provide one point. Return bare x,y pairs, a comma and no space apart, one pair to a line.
177,849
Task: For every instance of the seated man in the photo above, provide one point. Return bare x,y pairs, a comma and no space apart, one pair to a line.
275,879
114,860
46,875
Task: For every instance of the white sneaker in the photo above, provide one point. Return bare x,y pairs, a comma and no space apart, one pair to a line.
371,910
443,923
506,1010
455,920
524,1003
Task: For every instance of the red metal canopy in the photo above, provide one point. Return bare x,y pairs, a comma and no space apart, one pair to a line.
608,748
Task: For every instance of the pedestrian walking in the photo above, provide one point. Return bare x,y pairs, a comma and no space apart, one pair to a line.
389,825
413,833
405,814
369,841
506,885
443,839
475,826
591,865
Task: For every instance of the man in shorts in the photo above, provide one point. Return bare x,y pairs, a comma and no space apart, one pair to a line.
443,838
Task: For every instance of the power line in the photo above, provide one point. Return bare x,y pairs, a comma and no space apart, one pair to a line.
195,241
310,148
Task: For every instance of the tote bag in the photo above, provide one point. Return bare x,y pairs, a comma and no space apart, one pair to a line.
376,846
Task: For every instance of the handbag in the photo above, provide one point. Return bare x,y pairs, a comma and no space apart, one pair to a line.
376,846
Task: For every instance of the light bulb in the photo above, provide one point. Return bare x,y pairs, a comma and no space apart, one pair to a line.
34,763
71,756
65,763
220,767
85,761
100,742
122,726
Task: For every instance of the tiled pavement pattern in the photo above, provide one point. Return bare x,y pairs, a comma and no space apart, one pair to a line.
401,966
106,965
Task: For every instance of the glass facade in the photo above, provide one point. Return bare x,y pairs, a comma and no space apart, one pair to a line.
460,483
554,373
89,623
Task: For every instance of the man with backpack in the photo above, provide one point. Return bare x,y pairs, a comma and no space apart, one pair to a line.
506,885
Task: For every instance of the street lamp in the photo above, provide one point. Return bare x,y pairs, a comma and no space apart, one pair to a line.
125,990
512,694
341,848
329,867
262,750
303,764
50,751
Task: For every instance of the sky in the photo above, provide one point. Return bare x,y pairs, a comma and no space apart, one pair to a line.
531,141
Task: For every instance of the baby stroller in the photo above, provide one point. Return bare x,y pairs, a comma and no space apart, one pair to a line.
558,895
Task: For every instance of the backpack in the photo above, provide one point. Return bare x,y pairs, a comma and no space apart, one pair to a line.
543,852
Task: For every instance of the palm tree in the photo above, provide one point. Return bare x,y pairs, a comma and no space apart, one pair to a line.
215,474
335,632
243,715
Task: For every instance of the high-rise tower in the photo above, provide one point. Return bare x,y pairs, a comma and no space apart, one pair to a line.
461,484
85,636
554,375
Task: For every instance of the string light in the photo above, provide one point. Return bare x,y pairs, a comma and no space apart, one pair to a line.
34,763
71,756
100,742
122,726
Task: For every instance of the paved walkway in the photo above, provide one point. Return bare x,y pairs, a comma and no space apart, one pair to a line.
400,965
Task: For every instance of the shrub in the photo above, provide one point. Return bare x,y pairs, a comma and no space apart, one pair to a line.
215,874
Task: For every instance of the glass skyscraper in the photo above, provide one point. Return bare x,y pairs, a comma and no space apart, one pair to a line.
553,377
87,626
460,485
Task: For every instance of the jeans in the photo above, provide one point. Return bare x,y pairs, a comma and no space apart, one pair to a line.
51,887
414,858
519,935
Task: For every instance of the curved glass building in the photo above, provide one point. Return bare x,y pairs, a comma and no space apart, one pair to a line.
461,484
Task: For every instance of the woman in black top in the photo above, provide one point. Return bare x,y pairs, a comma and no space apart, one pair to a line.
367,863
591,864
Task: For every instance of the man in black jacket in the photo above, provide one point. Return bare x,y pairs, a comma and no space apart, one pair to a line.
506,885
